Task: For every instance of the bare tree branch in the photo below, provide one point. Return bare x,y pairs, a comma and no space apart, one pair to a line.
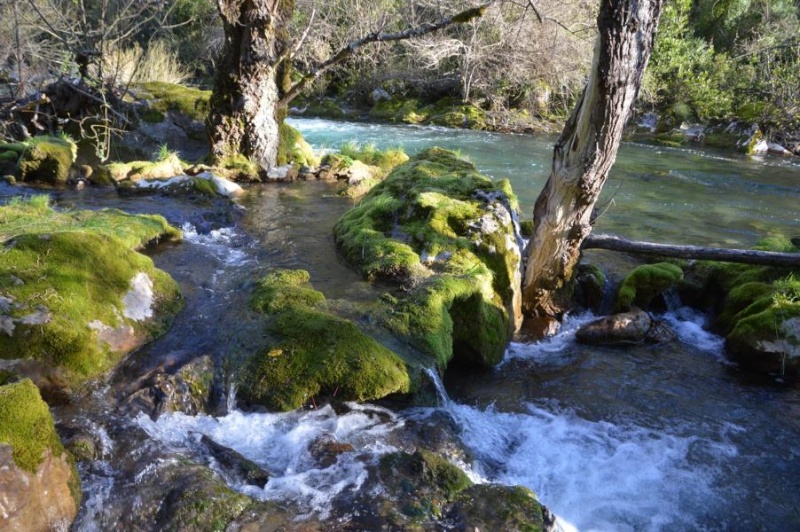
378,36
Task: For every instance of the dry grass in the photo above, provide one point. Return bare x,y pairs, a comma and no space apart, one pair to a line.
134,65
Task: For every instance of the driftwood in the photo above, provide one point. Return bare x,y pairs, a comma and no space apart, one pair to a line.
744,256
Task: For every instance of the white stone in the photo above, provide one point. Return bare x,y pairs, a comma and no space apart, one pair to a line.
279,172
224,187
139,299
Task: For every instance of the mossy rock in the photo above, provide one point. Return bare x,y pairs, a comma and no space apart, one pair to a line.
495,507
162,97
399,110
317,353
198,500
169,166
422,484
71,282
293,148
238,168
26,425
454,114
47,160
646,282
439,228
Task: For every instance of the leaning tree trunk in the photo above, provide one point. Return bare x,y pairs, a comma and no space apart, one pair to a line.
586,151
246,109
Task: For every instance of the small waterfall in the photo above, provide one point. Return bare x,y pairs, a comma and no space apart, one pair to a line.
230,400
441,393
672,300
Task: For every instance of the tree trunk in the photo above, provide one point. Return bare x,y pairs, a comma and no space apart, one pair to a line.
586,151
246,108
741,256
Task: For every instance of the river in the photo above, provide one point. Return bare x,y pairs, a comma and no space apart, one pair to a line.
668,437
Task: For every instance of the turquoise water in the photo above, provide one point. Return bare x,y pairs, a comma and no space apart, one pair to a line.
670,195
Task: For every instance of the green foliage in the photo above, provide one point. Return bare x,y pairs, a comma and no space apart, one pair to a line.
317,353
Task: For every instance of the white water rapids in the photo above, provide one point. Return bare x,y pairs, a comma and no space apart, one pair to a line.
595,475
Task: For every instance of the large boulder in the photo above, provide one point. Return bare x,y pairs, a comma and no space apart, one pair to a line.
316,354
74,293
39,486
445,235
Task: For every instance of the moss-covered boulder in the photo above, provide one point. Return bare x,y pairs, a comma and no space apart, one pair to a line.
764,335
39,486
315,354
644,283
495,507
43,159
757,309
445,234
74,293
424,491
164,168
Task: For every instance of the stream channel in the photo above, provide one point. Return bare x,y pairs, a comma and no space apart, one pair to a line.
666,437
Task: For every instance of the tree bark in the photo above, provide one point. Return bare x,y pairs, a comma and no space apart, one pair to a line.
245,112
742,256
586,151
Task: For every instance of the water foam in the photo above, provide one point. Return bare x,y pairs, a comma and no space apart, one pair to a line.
279,443
224,244
594,475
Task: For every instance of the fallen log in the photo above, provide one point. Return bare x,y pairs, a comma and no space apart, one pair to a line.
744,256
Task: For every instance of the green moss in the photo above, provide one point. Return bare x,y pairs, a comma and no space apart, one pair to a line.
646,282
396,110
323,107
9,155
421,483
740,298
494,507
294,149
46,159
526,228
368,154
318,354
429,208
63,271
204,187
238,168
163,97
35,216
451,113
166,167
26,425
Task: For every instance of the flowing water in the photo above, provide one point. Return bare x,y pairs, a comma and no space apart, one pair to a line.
671,437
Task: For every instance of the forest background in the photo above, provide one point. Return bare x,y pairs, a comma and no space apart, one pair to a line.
714,60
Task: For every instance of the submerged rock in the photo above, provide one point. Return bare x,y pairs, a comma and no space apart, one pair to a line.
317,354
624,328
241,468
39,486
446,235
187,390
